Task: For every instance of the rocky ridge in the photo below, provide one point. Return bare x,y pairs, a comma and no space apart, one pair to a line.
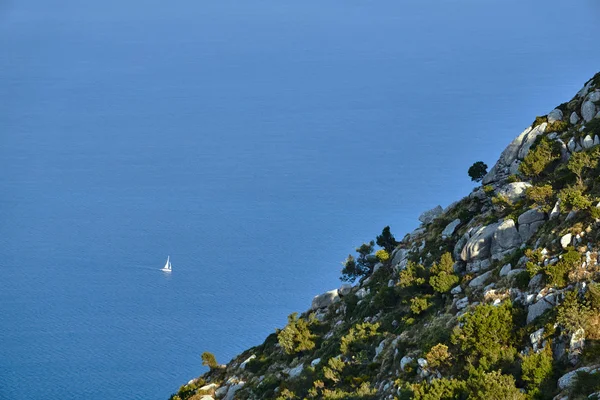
519,252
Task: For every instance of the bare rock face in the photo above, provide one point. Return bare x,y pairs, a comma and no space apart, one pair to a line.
325,300
514,191
508,156
479,244
505,238
539,307
588,110
555,115
450,228
529,223
428,216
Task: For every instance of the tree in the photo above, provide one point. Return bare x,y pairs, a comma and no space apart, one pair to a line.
443,278
361,266
580,161
296,335
539,158
209,360
477,171
387,240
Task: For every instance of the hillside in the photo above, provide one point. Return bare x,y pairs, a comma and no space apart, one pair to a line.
493,297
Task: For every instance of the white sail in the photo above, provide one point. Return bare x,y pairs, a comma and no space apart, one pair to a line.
167,266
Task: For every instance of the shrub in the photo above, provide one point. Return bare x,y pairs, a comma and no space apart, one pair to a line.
419,304
558,273
488,189
537,371
586,384
574,199
593,295
362,265
492,386
539,158
438,356
486,334
413,275
296,336
557,126
443,278
572,313
440,389
382,255
386,240
540,196
209,360
333,369
477,171
580,161
357,335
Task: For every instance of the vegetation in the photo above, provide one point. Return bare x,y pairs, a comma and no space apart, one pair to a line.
386,240
209,360
361,266
539,158
296,336
477,171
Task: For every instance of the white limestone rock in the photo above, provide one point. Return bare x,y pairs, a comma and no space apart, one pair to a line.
587,142
571,145
555,210
315,362
514,272
536,339
428,216
345,289
514,191
245,362
480,280
530,139
567,380
462,303
594,96
478,245
555,115
456,290
508,156
588,110
232,389
325,300
505,270
505,238
450,228
574,118
221,392
529,223
405,361
565,241
296,371
539,307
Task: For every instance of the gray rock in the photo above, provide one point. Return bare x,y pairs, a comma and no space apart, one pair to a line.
574,118
587,142
422,362
535,282
362,293
345,289
538,308
514,272
405,361
529,223
207,397
399,256
233,389
315,362
536,339
379,350
567,380
588,111
221,392
555,115
505,270
296,371
530,139
565,241
596,140
479,244
508,156
594,96
555,211
480,280
462,303
450,228
325,300
243,364
479,265
514,191
460,244
576,344
208,388
456,290
571,215
506,237
428,216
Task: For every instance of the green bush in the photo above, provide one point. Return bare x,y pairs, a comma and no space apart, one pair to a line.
573,314
357,335
586,384
296,336
413,275
438,356
492,386
579,162
209,360
419,305
558,274
537,372
485,335
539,158
362,265
574,199
382,255
593,295
541,196
443,278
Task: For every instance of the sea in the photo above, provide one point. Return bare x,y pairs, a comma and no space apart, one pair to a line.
256,143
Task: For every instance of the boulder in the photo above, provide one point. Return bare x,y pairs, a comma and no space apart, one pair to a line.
567,380
460,244
555,210
243,364
576,344
536,339
325,300
456,290
428,216
450,228
480,280
505,270
596,140
399,258
505,238
345,289
565,241
574,118
587,142
207,397
221,392
514,191
514,272
555,115
315,362
462,303
530,139
232,389
478,246
539,307
362,293
508,157
594,96
405,361
588,110
296,371
529,223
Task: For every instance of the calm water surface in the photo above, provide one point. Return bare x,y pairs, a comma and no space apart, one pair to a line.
256,143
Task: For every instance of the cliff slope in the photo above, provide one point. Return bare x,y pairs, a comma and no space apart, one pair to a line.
493,297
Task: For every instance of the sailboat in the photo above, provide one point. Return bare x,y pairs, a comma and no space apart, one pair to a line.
167,267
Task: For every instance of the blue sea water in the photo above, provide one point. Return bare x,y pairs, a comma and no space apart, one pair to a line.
256,143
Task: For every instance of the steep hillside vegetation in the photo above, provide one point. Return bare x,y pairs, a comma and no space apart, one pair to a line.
494,297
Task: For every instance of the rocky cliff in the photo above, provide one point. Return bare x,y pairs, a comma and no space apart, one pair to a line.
494,297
